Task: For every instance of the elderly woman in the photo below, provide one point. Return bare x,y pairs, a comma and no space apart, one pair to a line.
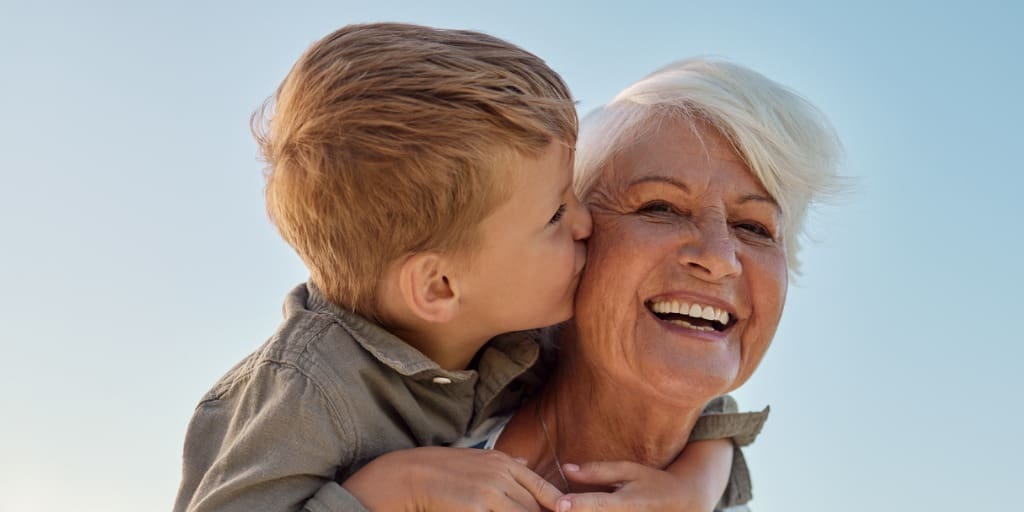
698,177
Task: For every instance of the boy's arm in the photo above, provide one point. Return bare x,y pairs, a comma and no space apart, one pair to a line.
704,470
710,470
721,420
273,444
442,478
693,483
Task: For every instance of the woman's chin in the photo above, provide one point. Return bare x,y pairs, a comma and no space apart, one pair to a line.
692,382
691,363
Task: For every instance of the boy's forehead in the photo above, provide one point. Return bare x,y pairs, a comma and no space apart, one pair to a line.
540,174
554,161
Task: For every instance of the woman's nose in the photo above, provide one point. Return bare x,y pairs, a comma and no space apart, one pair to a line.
710,252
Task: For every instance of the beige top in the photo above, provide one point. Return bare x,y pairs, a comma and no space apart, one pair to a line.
327,393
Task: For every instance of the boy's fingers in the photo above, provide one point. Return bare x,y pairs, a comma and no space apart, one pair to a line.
517,492
520,499
589,502
542,491
604,473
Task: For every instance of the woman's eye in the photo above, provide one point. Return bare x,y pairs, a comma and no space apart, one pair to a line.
755,229
558,215
656,207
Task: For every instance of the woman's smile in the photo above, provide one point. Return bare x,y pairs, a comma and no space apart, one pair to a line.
692,313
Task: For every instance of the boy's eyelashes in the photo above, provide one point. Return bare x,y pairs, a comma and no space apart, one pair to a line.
558,214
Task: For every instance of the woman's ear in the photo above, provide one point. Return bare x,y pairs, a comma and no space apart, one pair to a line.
426,289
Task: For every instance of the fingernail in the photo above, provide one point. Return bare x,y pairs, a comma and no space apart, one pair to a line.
521,460
570,467
564,505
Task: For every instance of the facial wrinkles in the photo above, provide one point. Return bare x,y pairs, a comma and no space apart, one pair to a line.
609,193
608,211
600,202
635,255
604,318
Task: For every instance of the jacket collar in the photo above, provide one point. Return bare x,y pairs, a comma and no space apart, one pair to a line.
502,359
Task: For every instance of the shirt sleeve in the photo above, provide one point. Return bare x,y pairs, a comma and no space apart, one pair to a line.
333,497
721,420
272,441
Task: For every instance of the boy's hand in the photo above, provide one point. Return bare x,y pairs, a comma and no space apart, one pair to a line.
694,482
637,487
439,478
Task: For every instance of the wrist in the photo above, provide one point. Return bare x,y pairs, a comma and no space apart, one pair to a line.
382,484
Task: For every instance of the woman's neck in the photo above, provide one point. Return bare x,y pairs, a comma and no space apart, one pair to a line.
599,419
580,417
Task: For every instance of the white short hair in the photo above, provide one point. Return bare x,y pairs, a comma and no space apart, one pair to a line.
788,143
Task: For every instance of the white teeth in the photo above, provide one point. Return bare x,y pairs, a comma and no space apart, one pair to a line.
709,313
695,311
684,323
692,310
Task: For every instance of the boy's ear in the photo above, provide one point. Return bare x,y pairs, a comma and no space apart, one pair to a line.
426,289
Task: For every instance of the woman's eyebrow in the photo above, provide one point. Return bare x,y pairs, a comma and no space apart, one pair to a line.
759,198
746,198
659,179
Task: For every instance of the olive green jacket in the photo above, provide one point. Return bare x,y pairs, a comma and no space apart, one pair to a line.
331,391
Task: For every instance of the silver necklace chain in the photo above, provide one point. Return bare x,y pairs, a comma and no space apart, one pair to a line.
551,446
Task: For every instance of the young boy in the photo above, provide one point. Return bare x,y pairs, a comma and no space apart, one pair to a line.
424,178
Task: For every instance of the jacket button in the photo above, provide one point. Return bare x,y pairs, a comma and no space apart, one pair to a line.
442,380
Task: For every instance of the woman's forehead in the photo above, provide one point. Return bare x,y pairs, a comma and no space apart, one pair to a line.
684,154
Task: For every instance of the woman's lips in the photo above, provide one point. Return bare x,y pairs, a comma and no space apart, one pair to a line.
691,314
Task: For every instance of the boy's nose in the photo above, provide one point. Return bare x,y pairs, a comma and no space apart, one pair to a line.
582,224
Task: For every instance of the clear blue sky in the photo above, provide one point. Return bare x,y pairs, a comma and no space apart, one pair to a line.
138,264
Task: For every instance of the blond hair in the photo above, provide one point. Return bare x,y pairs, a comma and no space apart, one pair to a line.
788,143
387,139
